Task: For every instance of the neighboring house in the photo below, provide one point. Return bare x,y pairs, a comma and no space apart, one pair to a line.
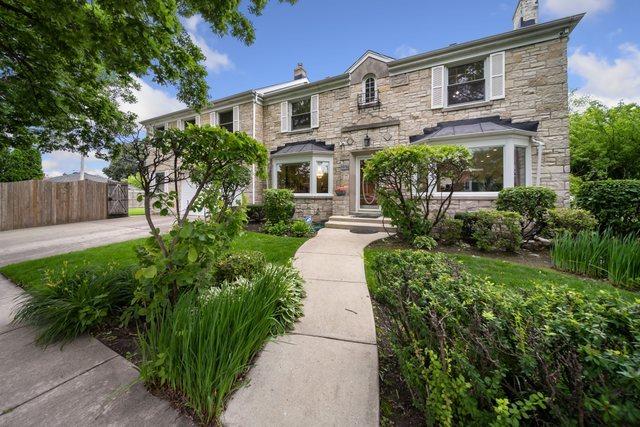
75,176
505,97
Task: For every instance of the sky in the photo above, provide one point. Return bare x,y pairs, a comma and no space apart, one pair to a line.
327,36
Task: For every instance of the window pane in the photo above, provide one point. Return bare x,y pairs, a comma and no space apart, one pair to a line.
322,176
188,122
225,120
301,106
486,172
301,114
466,83
302,121
519,166
370,90
160,177
294,176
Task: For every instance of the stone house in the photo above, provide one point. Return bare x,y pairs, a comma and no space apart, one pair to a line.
505,97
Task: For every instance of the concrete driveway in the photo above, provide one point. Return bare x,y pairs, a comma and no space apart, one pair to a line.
41,242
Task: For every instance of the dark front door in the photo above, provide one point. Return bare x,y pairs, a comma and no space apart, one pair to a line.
367,199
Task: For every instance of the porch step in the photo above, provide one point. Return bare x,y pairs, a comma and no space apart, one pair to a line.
352,222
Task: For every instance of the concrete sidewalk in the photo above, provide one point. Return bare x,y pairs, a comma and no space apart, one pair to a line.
84,383
326,371
40,242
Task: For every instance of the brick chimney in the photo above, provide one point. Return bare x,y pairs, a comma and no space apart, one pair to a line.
299,72
526,14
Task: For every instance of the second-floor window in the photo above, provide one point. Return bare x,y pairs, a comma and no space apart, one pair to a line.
369,90
466,83
226,120
301,114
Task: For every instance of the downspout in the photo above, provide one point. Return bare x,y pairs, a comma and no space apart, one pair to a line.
253,167
540,145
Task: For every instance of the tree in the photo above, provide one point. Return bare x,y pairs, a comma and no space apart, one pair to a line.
122,165
64,65
604,142
20,164
216,162
407,178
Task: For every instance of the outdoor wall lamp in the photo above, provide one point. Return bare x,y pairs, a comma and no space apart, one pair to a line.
367,140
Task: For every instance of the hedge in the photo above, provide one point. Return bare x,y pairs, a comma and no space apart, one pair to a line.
614,203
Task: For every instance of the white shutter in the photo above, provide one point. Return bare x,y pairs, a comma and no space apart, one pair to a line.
236,118
180,124
496,72
437,87
198,120
315,111
284,116
213,118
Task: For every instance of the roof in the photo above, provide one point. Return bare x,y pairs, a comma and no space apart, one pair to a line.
302,147
478,127
365,56
75,176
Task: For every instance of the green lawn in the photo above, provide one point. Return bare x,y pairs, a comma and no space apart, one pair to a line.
136,211
511,274
276,249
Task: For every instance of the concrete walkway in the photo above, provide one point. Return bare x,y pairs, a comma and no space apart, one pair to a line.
326,371
40,242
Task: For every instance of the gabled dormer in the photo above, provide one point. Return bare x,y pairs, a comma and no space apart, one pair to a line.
366,72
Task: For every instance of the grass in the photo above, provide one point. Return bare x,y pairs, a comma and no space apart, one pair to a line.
276,249
136,211
509,274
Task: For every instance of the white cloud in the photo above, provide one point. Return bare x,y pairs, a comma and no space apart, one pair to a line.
562,8
610,81
151,102
403,51
215,61
191,24
57,163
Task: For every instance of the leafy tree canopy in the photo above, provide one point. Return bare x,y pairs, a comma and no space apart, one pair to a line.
20,164
123,165
604,142
65,64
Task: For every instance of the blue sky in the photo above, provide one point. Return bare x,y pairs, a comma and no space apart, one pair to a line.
327,36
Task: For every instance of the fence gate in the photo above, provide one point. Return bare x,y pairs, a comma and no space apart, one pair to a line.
117,199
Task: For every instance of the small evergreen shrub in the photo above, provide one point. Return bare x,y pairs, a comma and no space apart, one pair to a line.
239,264
278,205
615,204
568,220
468,225
300,228
530,202
277,228
448,231
426,243
475,353
70,303
497,230
256,213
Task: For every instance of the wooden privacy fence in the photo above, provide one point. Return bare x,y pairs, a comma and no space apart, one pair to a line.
37,203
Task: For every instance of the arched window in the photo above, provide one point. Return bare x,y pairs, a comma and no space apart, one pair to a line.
369,89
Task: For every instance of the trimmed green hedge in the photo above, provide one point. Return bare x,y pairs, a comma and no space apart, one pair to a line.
474,353
614,203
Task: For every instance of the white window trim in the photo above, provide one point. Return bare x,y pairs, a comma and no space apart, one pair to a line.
508,143
181,122
313,158
221,112
487,83
364,88
288,126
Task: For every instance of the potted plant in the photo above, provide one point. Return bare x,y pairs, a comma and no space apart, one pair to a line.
341,190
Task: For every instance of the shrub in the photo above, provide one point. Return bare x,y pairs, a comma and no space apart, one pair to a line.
497,230
448,231
573,221
426,243
615,204
474,353
530,202
70,303
256,213
221,330
300,228
239,264
468,225
600,256
278,205
406,177
277,229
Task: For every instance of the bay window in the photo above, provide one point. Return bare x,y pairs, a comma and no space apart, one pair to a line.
304,175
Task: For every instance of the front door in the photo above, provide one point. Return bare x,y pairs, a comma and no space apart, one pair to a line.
366,198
